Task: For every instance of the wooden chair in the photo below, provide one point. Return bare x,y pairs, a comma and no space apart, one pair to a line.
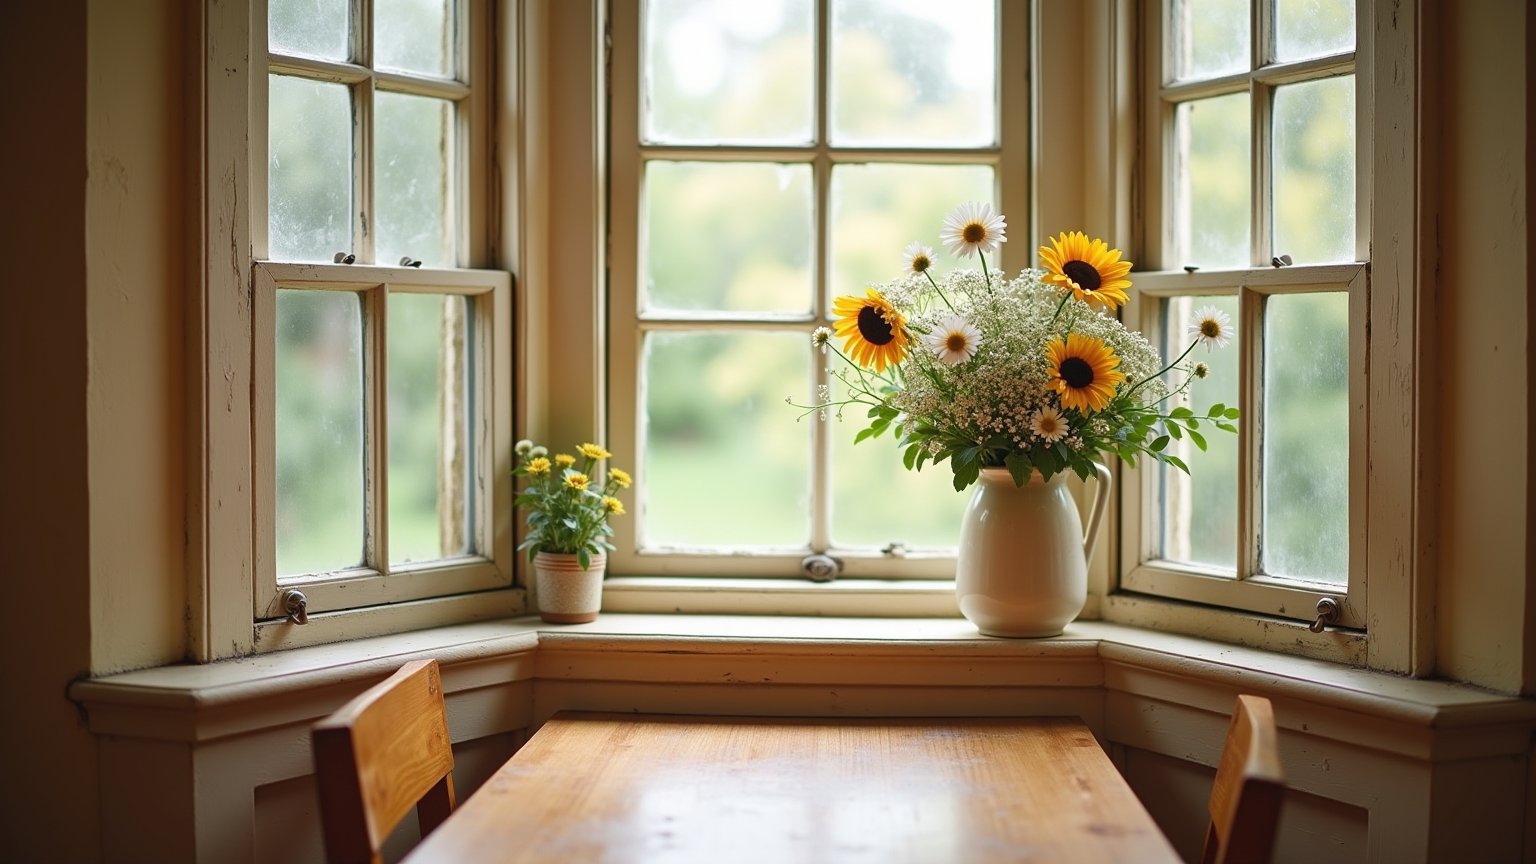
1245,801
379,756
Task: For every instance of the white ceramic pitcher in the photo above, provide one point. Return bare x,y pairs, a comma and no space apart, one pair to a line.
1023,561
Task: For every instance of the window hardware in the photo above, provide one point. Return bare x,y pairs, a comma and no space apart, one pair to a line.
821,568
1281,261
1327,613
296,606
343,258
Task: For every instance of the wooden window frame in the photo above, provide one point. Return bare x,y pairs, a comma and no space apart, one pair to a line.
627,325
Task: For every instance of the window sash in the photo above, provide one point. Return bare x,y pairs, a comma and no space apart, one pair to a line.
379,580
629,326
1248,589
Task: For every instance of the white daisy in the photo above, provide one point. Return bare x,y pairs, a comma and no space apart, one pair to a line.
917,257
972,228
955,340
1048,424
1210,326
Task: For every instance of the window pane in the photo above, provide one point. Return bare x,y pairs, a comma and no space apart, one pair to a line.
877,209
912,73
876,501
1312,28
317,28
1212,193
1198,511
1210,38
1306,437
309,169
1315,170
413,36
429,466
412,179
726,236
722,463
319,415
723,71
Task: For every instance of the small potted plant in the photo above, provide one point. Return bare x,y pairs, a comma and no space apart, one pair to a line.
567,541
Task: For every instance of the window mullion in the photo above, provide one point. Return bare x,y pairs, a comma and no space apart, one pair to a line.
1250,431
376,432
821,169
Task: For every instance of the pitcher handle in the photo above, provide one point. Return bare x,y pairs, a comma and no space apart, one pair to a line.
1096,516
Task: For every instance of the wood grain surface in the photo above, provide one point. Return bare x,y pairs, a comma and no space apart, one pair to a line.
648,788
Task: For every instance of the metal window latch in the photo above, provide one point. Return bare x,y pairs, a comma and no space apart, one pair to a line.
343,258
1327,613
1281,261
820,568
296,606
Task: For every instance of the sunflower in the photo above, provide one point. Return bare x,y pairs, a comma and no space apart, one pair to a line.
1083,372
876,332
973,227
1210,326
1091,270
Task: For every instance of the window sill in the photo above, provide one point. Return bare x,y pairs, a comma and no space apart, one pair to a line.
871,666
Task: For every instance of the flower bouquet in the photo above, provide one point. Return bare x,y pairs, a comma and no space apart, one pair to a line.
1030,373
567,512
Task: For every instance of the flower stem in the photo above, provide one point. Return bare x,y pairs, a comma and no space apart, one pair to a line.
987,280
1059,306
941,290
1159,372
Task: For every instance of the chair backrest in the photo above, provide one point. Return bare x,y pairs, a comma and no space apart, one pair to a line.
379,756
1245,801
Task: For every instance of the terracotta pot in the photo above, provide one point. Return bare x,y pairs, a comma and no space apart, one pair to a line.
1023,562
567,594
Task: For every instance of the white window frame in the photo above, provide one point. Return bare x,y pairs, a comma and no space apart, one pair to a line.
235,594
1008,158
1390,498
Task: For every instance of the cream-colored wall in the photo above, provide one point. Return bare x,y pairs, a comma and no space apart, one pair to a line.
1483,635
135,259
49,758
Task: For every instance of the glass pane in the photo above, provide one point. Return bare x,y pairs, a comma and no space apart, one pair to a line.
1306,437
914,72
1315,170
726,236
724,71
876,501
723,465
1212,193
319,416
1313,28
309,170
412,179
1198,511
878,209
1210,38
414,36
429,466
316,28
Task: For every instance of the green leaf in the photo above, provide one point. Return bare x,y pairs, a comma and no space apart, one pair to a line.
1197,438
1176,461
583,558
909,458
1018,466
1226,427
1181,411
1159,443
1217,410
1175,431
1192,423
1231,413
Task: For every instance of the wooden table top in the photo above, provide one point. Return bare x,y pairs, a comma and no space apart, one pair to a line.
646,788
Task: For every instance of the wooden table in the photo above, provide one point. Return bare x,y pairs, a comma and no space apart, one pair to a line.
648,788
